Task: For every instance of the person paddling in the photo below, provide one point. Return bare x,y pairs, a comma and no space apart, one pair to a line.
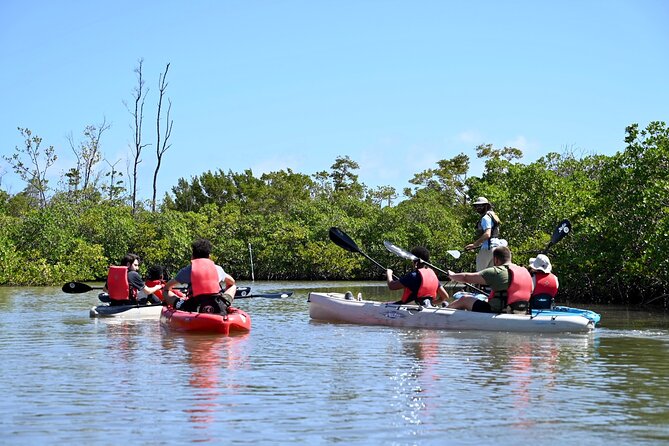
511,286
420,285
210,288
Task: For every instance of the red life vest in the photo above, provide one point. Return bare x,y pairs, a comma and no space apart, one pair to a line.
152,283
159,293
428,286
204,277
117,284
520,285
546,283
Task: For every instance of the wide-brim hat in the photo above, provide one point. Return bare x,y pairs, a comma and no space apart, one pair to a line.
541,263
480,200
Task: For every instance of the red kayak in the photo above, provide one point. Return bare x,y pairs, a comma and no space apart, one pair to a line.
236,321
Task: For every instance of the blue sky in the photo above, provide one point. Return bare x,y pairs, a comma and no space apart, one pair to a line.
270,85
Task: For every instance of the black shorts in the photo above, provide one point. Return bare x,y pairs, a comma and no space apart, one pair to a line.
481,306
205,304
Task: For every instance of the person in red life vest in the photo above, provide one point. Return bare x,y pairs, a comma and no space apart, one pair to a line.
545,283
210,289
420,285
511,286
126,287
156,276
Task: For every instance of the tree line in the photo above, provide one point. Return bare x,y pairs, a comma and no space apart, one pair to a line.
618,206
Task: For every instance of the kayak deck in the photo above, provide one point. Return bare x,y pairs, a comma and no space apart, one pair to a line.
334,307
126,311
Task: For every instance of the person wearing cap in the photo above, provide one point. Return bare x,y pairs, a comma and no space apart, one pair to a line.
511,286
487,231
545,283
420,285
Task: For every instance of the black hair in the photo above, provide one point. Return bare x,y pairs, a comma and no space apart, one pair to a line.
201,248
156,272
129,259
422,253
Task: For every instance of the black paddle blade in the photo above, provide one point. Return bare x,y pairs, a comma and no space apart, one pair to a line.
561,231
76,287
342,240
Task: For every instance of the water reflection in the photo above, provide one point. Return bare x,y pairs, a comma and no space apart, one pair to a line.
209,380
522,370
73,380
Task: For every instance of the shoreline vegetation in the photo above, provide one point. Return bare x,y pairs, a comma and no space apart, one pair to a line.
616,252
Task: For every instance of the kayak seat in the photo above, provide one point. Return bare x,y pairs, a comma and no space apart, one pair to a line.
541,302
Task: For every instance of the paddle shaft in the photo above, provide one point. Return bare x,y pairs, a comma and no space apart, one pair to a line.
267,296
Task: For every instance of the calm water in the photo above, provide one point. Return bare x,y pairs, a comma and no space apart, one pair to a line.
66,378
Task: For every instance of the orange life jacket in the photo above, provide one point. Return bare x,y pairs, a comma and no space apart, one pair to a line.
546,283
520,285
204,277
117,284
428,286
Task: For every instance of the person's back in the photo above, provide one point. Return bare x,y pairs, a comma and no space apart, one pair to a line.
517,294
545,283
420,285
205,281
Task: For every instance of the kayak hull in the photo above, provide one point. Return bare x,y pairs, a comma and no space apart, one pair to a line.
333,307
561,311
126,311
236,321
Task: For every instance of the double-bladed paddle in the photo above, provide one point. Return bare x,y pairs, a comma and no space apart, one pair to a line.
561,231
267,295
78,287
341,239
242,292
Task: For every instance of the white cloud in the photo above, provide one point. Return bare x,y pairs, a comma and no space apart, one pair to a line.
469,137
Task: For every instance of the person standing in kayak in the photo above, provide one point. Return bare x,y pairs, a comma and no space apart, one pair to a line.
126,287
511,286
545,283
420,285
210,288
487,231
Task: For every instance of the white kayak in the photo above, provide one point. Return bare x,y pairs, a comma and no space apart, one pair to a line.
334,307
127,311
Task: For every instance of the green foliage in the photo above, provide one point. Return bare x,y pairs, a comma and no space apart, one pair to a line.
618,207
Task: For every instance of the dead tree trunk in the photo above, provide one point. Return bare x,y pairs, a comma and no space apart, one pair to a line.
161,147
139,96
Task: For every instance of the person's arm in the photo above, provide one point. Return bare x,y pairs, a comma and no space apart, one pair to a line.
228,281
392,283
442,295
150,290
168,295
467,277
479,241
